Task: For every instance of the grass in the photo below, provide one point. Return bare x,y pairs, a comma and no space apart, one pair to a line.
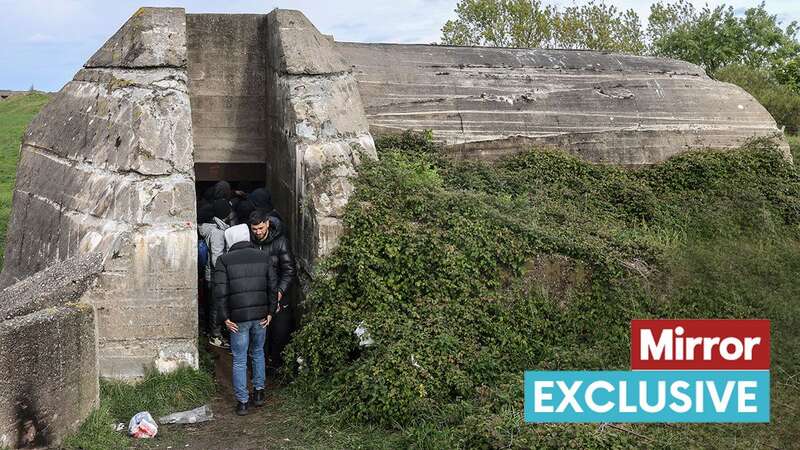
15,113
304,427
794,145
159,394
96,432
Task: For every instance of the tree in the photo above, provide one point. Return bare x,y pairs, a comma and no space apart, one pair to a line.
501,23
529,23
710,38
715,38
596,26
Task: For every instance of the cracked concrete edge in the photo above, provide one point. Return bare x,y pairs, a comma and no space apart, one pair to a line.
122,125
136,121
321,124
62,282
50,378
299,48
46,325
152,37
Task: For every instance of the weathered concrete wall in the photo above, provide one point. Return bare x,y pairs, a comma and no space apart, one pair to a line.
227,87
107,167
607,108
318,133
48,362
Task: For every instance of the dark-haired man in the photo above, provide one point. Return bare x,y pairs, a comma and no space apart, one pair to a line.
267,234
245,286
258,200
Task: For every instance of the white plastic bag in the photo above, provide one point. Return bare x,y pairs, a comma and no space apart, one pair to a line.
196,415
142,425
362,333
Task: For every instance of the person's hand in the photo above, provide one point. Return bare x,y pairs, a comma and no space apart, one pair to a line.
280,296
240,193
232,327
265,322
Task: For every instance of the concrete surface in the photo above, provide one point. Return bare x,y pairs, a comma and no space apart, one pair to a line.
48,366
107,167
227,87
485,103
318,134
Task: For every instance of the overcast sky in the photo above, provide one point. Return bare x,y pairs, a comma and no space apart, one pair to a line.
44,42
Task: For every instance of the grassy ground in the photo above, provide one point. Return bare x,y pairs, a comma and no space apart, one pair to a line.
285,422
158,394
15,113
794,145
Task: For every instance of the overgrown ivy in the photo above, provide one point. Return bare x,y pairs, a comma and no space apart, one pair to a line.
467,274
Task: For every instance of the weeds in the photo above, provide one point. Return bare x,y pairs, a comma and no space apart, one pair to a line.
160,394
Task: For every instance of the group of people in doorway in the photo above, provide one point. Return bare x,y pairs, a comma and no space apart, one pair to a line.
246,274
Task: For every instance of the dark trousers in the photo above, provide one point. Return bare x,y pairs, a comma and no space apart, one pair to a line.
212,311
280,330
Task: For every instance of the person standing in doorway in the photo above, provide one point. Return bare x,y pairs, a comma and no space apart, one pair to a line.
267,234
213,220
245,285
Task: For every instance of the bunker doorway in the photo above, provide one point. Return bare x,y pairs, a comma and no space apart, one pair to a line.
243,178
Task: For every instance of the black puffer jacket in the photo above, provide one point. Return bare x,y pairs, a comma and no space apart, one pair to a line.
276,245
245,284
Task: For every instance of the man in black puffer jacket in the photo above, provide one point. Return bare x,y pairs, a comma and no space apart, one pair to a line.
245,286
268,236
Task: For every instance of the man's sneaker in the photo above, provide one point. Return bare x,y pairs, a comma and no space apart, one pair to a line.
259,397
241,409
217,341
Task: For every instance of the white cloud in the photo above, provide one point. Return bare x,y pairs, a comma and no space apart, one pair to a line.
40,38
69,31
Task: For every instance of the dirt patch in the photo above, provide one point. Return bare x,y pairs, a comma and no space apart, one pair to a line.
227,430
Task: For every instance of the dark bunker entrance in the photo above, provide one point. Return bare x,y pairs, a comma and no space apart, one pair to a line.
227,68
240,184
242,187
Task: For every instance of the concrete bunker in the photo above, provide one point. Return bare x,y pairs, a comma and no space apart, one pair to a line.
112,162
110,165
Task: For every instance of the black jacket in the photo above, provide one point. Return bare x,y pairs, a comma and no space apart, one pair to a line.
245,284
276,245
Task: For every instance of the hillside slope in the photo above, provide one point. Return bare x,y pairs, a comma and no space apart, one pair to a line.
15,113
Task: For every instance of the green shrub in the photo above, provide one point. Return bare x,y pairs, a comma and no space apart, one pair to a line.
466,275
794,146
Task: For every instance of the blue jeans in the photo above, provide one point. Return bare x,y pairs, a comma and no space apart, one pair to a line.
253,336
